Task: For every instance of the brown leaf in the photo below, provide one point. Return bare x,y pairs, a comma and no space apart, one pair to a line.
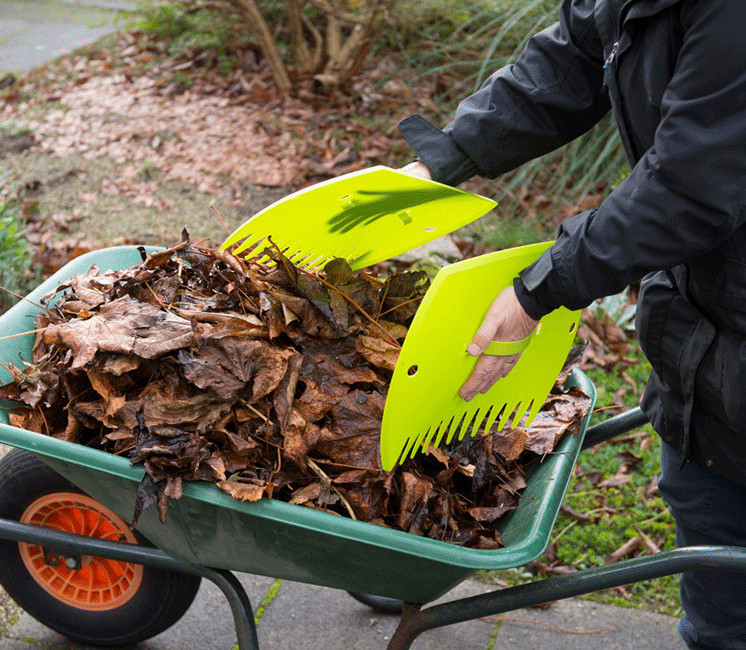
488,515
307,493
224,364
167,402
353,438
510,443
377,351
367,492
311,321
32,420
300,437
271,371
615,481
272,312
327,379
285,392
487,539
415,493
122,326
246,491
173,487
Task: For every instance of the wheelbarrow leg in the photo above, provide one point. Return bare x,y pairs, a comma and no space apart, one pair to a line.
243,616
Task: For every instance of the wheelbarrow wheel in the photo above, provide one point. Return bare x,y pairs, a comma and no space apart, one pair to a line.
91,600
379,603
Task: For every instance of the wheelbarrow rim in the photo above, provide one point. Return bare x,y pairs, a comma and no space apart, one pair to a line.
98,584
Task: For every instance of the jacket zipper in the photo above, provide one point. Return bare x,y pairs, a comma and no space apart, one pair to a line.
608,61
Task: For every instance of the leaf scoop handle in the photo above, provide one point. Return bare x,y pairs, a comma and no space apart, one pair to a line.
504,348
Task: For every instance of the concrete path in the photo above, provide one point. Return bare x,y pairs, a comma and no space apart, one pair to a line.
317,618
35,31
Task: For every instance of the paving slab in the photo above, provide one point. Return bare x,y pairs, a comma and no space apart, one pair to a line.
576,624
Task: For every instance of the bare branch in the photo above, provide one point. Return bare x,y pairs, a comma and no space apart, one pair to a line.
301,54
318,49
266,42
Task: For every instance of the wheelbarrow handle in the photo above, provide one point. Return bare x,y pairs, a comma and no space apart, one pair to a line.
414,620
614,426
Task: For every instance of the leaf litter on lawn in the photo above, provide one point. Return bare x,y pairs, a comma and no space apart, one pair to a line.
268,381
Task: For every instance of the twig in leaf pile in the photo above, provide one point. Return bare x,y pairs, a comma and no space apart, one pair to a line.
19,296
258,413
44,419
382,300
346,466
322,475
215,210
399,306
13,336
282,257
125,450
376,324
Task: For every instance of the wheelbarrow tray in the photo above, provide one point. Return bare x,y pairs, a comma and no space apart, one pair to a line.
274,538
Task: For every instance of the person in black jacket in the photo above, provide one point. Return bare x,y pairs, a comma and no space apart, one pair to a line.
674,74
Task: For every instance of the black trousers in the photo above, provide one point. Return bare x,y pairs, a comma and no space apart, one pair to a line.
708,510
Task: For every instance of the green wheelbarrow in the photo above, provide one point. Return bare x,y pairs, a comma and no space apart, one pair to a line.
68,557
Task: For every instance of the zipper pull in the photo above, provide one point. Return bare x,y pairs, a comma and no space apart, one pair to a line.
607,63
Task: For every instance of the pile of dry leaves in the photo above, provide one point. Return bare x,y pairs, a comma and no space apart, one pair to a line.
268,381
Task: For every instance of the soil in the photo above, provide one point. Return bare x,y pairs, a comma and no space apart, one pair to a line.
115,144
56,184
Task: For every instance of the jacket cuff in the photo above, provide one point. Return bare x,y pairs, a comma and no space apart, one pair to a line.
437,150
531,288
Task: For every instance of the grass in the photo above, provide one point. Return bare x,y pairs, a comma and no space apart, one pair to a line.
271,594
500,233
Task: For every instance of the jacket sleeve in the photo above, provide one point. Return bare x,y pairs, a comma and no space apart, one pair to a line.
550,96
685,196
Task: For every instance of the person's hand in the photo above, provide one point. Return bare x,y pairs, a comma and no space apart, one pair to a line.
505,321
418,170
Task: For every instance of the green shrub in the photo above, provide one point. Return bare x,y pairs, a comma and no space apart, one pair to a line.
189,30
14,256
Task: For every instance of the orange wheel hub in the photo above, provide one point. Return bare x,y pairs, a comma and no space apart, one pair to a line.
93,583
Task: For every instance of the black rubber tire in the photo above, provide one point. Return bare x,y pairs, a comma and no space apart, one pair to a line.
379,603
161,600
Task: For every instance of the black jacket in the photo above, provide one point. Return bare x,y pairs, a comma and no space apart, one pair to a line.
674,74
